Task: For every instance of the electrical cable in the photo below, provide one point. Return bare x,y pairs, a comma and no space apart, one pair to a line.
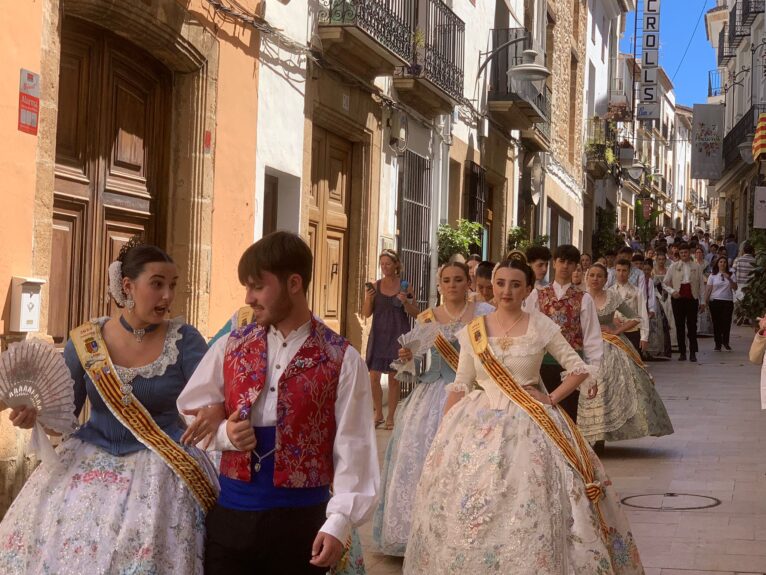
699,18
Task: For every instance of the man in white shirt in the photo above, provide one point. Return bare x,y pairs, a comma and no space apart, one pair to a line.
685,282
634,297
298,403
575,312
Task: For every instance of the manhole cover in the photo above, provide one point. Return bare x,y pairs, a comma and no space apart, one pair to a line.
671,501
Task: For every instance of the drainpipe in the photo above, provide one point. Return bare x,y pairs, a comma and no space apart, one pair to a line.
515,183
439,183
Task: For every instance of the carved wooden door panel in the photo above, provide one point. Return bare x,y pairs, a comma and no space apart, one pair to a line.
111,168
328,224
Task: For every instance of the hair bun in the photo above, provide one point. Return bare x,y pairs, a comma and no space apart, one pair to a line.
134,241
517,256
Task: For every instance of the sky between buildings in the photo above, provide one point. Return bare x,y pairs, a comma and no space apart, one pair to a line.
678,19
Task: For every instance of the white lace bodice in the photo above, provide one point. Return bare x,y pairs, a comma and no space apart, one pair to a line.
159,366
522,359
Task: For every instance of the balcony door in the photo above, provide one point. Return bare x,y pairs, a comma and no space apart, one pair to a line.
110,171
328,225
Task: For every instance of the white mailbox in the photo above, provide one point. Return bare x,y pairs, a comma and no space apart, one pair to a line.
25,304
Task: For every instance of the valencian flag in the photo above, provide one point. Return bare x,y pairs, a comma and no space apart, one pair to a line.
759,141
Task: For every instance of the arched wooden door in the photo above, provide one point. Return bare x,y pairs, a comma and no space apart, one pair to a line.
111,166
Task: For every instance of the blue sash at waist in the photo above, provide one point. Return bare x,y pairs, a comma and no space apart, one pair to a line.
260,493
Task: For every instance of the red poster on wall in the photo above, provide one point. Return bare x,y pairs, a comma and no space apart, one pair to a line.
29,101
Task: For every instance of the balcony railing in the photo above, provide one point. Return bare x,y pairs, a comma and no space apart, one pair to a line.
737,29
504,87
389,22
725,50
439,50
714,83
751,9
739,132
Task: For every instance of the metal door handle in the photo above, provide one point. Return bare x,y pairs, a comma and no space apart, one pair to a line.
334,269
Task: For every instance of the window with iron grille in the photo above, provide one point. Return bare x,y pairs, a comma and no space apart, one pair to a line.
477,196
414,224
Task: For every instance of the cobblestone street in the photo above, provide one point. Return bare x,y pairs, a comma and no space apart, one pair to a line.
717,454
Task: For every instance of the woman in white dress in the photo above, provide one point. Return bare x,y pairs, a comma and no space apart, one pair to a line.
627,405
510,485
418,418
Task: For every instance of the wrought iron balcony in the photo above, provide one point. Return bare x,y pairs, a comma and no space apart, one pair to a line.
737,28
714,83
751,9
519,103
738,133
538,137
371,37
725,50
437,60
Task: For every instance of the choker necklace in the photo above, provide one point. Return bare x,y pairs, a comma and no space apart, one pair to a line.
138,333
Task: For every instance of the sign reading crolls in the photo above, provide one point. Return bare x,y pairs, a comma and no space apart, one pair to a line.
649,92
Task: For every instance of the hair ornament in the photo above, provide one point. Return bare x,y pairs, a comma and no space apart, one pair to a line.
517,256
115,283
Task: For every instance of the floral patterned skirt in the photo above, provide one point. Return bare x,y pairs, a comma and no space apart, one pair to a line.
416,423
98,513
497,496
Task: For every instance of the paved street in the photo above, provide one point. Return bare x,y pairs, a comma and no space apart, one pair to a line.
718,450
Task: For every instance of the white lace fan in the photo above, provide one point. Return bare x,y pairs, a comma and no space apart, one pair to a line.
419,340
33,373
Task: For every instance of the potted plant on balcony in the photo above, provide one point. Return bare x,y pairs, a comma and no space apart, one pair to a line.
418,43
458,240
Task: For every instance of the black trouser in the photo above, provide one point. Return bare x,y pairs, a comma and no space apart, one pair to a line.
634,337
551,376
276,541
721,311
685,313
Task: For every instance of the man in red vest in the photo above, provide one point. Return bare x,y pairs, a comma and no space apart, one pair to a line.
299,465
576,314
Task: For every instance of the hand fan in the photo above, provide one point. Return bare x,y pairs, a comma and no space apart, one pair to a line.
33,373
419,340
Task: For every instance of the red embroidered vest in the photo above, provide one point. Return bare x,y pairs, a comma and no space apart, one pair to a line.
565,312
305,403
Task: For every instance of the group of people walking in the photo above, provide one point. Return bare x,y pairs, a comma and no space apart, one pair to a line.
258,448
491,452
281,399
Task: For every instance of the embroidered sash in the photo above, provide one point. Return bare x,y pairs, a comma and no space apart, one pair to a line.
618,342
443,346
94,357
576,455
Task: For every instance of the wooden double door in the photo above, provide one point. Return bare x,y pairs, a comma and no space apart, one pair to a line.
111,166
329,205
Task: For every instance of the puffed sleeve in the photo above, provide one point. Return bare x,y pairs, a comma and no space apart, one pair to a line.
465,378
193,348
77,371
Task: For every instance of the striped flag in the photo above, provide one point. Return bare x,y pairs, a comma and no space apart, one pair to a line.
759,141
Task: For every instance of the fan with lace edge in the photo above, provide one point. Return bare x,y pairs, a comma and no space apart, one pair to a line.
33,373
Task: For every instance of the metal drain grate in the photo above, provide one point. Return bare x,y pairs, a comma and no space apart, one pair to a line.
671,501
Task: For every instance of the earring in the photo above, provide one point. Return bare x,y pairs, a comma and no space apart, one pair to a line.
130,303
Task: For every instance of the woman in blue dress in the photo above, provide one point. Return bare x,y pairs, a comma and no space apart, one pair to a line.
113,504
419,416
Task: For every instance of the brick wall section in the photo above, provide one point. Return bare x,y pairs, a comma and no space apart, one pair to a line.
564,47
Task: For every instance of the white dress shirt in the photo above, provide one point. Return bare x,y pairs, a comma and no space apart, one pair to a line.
635,298
592,343
357,473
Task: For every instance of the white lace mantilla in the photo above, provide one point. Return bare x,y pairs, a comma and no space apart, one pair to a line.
159,366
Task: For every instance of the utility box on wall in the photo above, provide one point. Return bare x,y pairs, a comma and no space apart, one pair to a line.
25,304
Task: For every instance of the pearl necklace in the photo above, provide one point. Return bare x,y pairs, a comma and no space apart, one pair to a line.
455,319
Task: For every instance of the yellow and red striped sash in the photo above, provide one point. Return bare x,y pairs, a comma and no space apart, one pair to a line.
444,347
759,141
576,455
245,316
617,341
94,357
